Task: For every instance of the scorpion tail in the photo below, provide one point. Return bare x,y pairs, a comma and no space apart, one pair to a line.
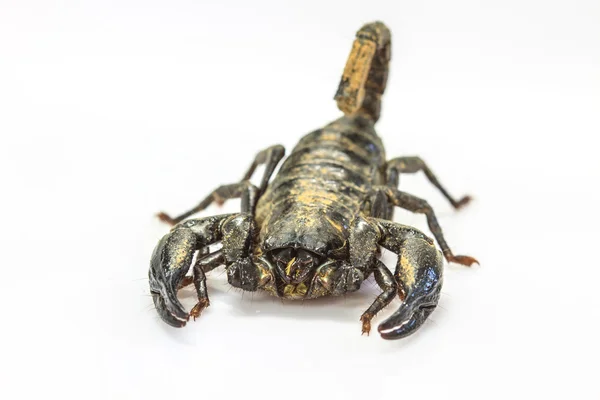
365,75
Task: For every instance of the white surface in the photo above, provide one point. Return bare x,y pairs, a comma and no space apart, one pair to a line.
112,111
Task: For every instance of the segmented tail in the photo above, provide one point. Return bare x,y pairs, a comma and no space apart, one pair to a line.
365,75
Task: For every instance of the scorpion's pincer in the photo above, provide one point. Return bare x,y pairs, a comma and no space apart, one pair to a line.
170,261
421,281
411,315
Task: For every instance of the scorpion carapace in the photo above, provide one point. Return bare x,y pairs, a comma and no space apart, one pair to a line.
317,229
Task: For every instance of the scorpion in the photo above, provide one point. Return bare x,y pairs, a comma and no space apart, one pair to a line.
318,228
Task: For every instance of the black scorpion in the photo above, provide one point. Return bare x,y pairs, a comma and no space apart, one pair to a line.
318,228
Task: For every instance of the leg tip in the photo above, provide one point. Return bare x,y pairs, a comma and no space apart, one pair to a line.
463,260
198,308
166,218
462,202
366,325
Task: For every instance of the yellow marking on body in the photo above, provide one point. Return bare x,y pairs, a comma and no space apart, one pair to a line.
288,290
309,195
408,271
295,292
336,225
301,289
330,136
355,75
346,145
288,268
265,275
180,256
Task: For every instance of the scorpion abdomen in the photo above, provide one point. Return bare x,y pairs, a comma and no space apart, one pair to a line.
321,186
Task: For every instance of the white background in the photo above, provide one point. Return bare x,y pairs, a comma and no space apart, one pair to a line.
113,110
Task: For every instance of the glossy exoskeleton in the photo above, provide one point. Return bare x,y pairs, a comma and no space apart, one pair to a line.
318,227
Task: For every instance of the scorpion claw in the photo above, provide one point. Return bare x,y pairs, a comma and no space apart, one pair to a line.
420,277
167,304
172,316
405,321
170,262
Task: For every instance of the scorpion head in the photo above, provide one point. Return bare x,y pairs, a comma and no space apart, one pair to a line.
295,266
301,273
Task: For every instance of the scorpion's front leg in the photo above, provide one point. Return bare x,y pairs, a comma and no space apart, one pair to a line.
417,279
364,252
173,256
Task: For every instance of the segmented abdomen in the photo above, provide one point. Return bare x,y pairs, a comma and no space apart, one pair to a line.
324,180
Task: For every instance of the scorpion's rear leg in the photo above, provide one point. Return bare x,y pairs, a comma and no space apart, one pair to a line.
389,287
417,205
270,157
411,165
417,279
204,264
